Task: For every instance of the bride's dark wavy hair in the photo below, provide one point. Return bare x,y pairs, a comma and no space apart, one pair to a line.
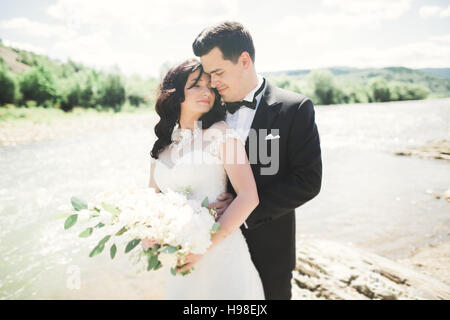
168,104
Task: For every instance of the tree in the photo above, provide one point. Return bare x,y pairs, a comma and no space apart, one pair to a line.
72,98
135,99
379,90
112,92
323,85
407,91
7,86
38,84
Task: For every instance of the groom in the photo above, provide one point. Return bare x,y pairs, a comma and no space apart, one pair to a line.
255,106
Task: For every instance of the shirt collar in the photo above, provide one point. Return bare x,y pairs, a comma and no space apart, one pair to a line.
250,95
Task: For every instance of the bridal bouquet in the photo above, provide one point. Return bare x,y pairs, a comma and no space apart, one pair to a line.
169,222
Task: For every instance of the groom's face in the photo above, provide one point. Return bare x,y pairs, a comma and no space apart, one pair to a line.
226,76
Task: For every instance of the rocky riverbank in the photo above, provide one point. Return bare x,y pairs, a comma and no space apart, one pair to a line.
329,270
437,149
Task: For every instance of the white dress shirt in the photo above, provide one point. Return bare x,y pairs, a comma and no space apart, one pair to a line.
242,119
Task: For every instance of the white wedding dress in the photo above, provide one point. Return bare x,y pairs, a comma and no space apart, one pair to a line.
225,271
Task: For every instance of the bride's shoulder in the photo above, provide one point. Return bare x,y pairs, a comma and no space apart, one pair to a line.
220,131
219,128
220,125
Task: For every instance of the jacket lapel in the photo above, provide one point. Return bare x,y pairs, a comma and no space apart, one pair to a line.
266,113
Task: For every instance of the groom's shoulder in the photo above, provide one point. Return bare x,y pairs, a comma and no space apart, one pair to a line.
288,98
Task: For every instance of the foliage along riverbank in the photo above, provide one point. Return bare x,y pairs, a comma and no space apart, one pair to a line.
332,86
29,79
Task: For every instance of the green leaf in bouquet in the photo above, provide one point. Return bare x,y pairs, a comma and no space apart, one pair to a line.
100,246
215,227
70,221
158,266
205,202
78,204
156,248
113,251
121,231
86,233
98,249
169,249
95,213
185,272
132,244
62,215
110,208
152,262
104,240
99,225
173,271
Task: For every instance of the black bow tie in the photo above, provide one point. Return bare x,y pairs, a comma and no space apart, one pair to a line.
232,107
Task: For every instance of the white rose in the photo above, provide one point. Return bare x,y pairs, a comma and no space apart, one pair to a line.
105,217
84,215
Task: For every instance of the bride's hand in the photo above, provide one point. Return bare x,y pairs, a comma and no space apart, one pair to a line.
189,261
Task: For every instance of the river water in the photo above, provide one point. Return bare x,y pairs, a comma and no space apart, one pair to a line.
370,197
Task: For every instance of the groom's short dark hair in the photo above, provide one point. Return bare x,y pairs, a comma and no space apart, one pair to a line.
232,38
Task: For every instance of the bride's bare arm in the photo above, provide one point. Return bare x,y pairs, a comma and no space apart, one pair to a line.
152,183
146,242
238,169
234,158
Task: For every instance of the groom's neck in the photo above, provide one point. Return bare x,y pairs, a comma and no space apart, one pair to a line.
249,82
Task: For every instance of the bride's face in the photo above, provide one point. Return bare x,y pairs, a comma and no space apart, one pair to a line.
198,98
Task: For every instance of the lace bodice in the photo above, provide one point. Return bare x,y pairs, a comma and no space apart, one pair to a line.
193,161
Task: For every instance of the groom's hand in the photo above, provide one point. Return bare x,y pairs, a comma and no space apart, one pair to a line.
224,200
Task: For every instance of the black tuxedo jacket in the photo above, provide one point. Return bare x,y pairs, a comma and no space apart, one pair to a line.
299,175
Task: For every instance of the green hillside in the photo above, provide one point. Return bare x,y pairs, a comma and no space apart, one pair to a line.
441,72
352,85
29,79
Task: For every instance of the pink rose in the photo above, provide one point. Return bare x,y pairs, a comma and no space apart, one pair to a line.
148,243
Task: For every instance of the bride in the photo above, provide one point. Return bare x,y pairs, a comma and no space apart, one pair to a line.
200,157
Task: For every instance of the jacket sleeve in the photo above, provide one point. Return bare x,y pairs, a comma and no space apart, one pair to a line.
304,178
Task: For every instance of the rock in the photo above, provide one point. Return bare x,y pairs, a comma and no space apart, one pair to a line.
447,195
433,260
439,149
328,270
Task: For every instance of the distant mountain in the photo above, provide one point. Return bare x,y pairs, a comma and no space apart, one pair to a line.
442,72
437,80
304,72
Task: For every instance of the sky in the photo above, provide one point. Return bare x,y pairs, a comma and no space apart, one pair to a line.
139,36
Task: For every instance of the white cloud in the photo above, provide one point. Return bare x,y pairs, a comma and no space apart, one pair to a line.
95,51
319,38
139,36
377,9
142,13
441,38
25,46
344,15
433,52
434,11
36,29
